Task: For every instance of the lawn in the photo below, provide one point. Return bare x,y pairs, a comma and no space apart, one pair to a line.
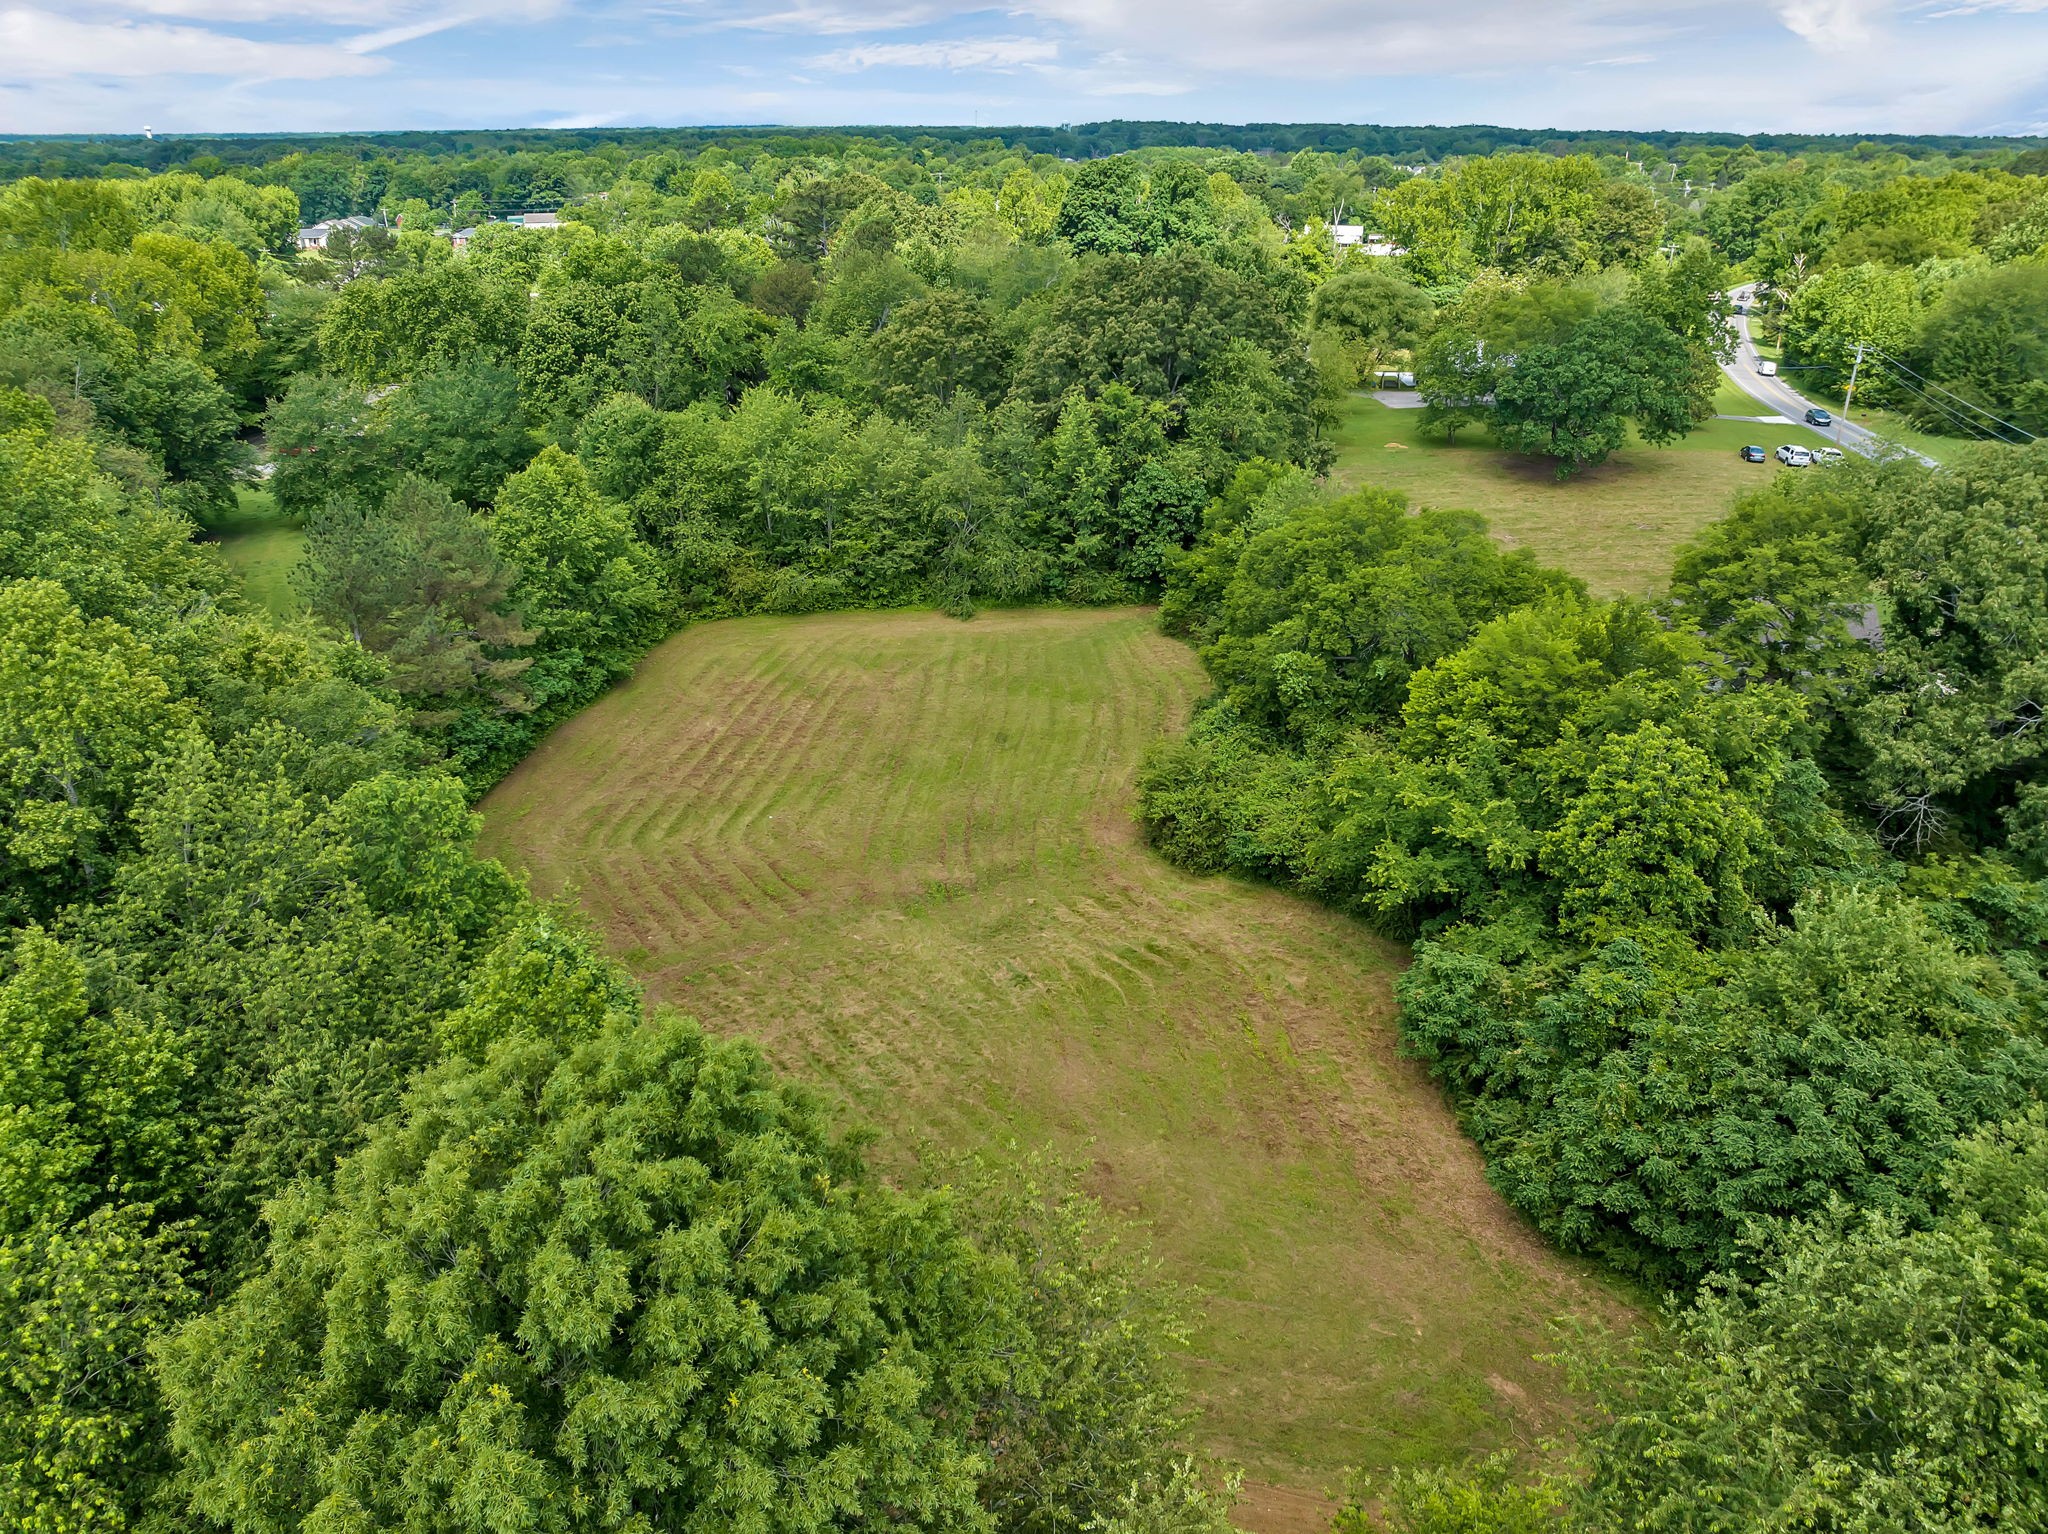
262,546
900,851
1729,400
1616,525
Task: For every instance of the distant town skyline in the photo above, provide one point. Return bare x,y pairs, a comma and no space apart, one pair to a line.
1870,66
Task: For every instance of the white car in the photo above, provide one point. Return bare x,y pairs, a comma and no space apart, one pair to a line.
1766,368
1795,457
1823,455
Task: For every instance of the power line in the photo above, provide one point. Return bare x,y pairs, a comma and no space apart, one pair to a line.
1930,383
1956,418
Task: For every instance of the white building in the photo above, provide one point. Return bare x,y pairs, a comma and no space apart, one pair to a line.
314,236
1357,237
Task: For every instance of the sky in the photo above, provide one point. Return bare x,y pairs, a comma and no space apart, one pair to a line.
1850,66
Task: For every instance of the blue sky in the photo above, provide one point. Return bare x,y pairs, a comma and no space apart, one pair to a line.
1744,65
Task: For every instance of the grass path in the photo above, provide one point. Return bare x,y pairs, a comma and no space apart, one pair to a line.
899,851
262,547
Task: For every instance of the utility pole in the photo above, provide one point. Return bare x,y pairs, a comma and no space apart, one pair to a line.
1854,368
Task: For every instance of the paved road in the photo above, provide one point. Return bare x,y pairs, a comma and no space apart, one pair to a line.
1786,400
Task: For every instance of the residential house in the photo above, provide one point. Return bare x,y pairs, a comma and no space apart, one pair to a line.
1357,237
314,236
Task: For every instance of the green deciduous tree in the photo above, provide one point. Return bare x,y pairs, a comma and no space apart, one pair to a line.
83,1444
324,442
90,1096
1866,304
1776,585
1330,611
1456,381
37,212
933,348
1876,1377
585,580
1955,707
174,408
463,427
1987,342
1573,402
1656,837
84,705
1099,213
384,330
1375,311
601,1278
1512,212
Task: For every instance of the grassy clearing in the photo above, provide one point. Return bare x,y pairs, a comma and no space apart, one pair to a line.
900,852
1615,525
262,546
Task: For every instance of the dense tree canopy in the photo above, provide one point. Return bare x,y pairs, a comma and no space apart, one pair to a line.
586,1283
1895,1373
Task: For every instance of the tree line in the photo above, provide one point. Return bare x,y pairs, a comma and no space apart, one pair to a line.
60,156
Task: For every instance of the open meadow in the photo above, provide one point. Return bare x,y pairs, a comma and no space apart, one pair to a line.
899,850
1616,524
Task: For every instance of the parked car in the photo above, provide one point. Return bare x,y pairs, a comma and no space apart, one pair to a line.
1765,368
1826,454
1794,457
1819,417
1754,454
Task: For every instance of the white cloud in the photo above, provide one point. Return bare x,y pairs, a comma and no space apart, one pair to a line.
346,13
1322,39
818,18
405,32
35,45
1832,25
974,53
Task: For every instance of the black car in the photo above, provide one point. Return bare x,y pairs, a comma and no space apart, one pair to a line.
1755,454
1819,417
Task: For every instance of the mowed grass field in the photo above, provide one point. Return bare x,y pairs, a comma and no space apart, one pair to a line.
1616,525
900,851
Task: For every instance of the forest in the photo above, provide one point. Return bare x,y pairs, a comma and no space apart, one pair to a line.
344,1185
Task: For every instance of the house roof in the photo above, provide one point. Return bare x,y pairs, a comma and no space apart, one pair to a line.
327,226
